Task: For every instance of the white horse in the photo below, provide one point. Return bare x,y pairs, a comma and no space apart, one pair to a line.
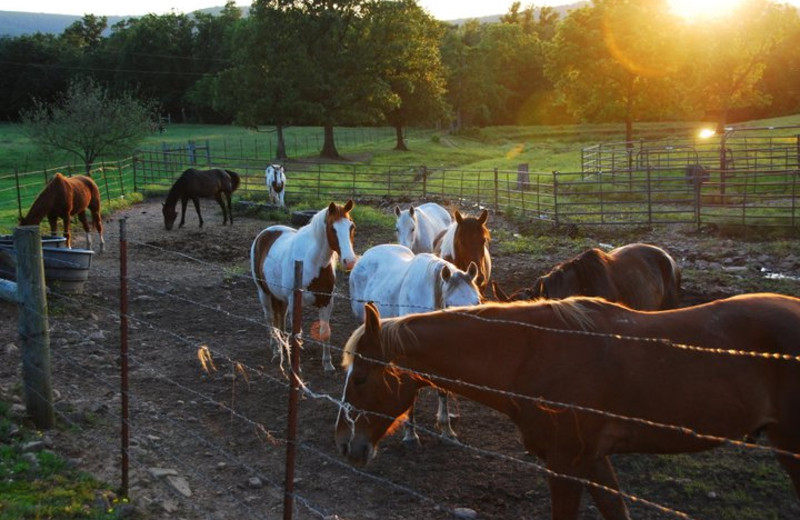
418,227
399,283
276,184
318,244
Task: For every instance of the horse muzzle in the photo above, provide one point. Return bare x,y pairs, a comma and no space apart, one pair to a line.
348,263
358,451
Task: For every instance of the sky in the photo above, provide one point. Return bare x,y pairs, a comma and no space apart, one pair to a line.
440,9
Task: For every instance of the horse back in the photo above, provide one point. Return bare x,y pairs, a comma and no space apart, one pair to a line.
646,276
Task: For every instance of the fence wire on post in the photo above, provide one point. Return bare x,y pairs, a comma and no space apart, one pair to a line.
123,325
294,391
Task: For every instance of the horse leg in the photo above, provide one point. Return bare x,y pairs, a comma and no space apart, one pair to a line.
184,200
610,504
97,220
197,208
443,416
54,225
784,437
86,228
230,208
67,234
410,437
565,498
221,202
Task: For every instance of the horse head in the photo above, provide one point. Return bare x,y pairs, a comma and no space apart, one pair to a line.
471,244
276,177
170,214
376,396
406,226
459,287
340,230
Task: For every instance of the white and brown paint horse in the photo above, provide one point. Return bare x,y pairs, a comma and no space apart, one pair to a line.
318,244
466,241
276,184
400,283
417,227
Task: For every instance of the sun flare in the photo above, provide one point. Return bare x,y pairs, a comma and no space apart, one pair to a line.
703,9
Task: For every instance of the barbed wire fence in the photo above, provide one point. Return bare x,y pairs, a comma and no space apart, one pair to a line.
203,424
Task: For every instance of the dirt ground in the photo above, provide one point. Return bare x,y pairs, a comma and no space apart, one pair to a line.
210,444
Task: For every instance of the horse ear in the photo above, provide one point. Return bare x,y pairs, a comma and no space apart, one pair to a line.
411,210
397,211
349,206
332,208
372,319
473,270
484,217
458,216
445,273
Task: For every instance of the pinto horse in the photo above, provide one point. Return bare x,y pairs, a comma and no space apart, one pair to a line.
465,241
400,283
418,227
318,244
64,197
194,184
276,183
640,276
584,378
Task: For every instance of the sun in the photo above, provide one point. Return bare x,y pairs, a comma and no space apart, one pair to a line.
703,9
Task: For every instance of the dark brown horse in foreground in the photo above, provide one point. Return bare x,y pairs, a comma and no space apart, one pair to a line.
63,198
195,184
466,241
639,276
584,378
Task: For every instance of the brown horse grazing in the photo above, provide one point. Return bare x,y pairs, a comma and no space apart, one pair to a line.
64,197
318,244
466,241
584,378
194,184
640,276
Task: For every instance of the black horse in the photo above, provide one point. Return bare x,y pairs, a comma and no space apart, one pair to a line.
193,184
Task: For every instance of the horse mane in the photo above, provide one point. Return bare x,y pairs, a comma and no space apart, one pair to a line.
589,268
395,336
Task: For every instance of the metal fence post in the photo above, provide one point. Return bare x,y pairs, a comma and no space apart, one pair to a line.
294,391
123,333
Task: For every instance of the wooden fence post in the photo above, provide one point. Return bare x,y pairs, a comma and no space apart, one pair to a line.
34,331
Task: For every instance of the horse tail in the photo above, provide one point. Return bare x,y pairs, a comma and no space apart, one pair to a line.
258,256
235,179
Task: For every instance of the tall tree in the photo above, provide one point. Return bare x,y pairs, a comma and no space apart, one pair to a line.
615,61
88,121
405,40
729,55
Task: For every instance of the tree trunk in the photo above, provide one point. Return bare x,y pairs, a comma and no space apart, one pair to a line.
280,153
401,143
329,145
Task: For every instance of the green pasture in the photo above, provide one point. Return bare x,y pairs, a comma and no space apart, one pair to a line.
468,164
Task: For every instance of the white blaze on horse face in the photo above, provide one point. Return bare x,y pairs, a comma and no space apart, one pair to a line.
342,229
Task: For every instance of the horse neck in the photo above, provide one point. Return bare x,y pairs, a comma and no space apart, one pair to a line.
466,339
174,194
41,206
319,250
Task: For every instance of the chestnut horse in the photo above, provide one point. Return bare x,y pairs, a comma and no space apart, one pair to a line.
640,276
328,236
194,184
466,241
64,197
584,378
